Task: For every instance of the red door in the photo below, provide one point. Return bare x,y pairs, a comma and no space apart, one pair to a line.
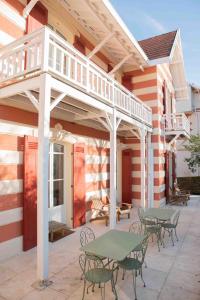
30,193
79,45
173,168
37,17
167,175
79,205
127,175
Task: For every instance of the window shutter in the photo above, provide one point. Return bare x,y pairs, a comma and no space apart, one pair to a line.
37,17
79,45
30,193
127,175
167,175
79,201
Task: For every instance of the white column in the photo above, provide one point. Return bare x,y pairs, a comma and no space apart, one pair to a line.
143,171
150,171
42,179
113,165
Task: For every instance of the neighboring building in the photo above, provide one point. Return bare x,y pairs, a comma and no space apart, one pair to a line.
190,107
77,67
160,87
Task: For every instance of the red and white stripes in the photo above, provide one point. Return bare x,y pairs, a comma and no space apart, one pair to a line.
11,191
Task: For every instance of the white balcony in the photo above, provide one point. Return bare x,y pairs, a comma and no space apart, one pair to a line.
45,51
176,124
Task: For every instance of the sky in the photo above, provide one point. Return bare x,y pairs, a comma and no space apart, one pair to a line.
146,18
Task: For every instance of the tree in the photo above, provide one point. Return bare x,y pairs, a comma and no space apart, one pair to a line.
194,148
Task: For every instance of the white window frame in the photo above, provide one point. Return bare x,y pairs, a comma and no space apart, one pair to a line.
51,180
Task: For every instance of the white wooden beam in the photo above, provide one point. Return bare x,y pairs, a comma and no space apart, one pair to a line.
174,139
118,122
20,87
89,115
42,179
100,45
150,168
33,100
135,133
29,7
183,88
143,169
113,169
120,63
79,95
57,100
104,124
109,121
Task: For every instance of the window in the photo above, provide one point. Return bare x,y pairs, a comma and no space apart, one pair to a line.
56,175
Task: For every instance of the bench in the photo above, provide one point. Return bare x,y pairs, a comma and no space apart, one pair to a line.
55,226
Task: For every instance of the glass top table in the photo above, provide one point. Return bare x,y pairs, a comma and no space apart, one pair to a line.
163,214
114,244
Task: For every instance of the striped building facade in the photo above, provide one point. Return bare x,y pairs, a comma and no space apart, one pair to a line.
153,85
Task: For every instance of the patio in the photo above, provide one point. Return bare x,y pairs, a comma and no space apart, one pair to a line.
173,273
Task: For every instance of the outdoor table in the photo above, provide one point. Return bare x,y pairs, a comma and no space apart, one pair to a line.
163,214
114,244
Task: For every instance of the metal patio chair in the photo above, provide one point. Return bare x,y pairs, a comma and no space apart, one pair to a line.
151,227
99,210
136,227
178,197
86,236
171,227
94,272
135,264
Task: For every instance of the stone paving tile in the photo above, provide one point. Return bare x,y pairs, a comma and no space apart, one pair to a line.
47,294
179,279
160,262
18,286
176,293
6,273
167,273
188,263
67,281
22,262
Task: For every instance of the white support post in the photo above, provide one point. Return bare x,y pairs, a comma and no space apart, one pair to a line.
100,45
116,67
150,171
42,179
113,169
143,171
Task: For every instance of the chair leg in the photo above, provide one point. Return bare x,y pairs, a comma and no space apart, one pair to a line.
114,289
134,284
176,234
84,286
145,264
142,277
123,274
171,235
103,292
158,240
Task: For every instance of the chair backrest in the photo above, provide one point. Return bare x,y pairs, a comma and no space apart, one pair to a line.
89,262
144,248
86,235
97,203
176,218
136,227
140,212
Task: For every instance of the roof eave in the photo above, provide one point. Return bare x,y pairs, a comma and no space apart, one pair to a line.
116,16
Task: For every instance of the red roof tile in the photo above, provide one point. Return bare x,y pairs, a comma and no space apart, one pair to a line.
158,46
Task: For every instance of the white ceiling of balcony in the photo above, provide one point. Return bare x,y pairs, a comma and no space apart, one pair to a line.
99,19
178,70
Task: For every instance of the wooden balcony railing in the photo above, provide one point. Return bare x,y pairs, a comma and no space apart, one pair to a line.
45,51
177,122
